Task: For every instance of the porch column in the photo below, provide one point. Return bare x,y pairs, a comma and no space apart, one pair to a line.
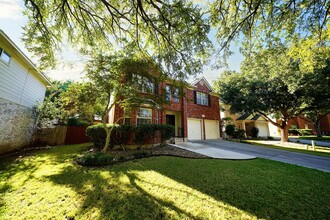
244,128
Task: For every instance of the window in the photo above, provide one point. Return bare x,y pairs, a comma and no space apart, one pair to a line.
4,56
176,95
127,117
168,92
143,83
202,98
147,86
144,116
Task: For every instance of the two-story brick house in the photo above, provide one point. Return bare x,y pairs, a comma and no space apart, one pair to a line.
195,115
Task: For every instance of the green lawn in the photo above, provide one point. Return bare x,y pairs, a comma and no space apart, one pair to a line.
48,185
324,138
319,151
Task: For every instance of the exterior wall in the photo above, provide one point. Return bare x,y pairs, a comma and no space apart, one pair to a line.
183,109
18,83
21,87
15,124
325,124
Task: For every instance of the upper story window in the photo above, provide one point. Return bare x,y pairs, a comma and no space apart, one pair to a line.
4,56
144,116
172,93
202,98
144,84
176,95
168,92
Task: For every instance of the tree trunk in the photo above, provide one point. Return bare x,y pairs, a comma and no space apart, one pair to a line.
107,140
318,128
284,134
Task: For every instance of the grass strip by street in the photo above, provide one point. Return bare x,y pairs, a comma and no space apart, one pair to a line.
319,151
48,184
324,138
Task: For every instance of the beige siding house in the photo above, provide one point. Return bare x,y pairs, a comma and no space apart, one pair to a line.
21,87
248,121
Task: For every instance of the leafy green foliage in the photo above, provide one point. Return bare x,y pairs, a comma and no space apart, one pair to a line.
255,132
95,159
82,99
239,133
72,121
97,134
230,129
122,134
300,132
260,23
273,84
172,32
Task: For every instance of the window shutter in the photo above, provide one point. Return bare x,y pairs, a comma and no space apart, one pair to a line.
209,101
195,97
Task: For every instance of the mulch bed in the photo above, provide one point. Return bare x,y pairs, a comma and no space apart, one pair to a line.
161,150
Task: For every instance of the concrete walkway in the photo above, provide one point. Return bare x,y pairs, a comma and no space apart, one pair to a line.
212,151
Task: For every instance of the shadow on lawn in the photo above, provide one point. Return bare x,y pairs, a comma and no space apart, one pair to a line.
114,201
265,189
269,190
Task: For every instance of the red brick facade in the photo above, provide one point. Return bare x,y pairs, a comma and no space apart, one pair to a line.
300,123
184,109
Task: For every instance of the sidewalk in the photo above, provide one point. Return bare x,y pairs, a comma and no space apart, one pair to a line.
213,152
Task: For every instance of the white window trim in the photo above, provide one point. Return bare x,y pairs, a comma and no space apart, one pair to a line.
138,117
203,98
4,51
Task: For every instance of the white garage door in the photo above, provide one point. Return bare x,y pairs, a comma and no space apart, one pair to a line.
263,129
194,129
212,129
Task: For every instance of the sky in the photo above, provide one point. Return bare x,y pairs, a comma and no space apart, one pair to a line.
72,68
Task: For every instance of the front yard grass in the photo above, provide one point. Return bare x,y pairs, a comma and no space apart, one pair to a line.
319,151
48,185
314,137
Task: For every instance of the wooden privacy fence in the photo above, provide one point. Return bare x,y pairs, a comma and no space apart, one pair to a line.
60,135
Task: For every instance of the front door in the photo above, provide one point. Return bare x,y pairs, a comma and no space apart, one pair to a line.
170,120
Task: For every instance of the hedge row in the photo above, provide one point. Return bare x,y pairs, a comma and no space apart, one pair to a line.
300,132
124,134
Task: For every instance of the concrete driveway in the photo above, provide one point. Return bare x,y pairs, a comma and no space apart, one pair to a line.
301,159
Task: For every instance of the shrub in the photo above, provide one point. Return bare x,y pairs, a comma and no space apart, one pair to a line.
143,132
95,159
96,134
300,132
294,132
230,130
239,133
255,132
304,132
167,131
73,121
120,134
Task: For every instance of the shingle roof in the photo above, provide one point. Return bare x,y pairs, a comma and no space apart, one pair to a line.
243,117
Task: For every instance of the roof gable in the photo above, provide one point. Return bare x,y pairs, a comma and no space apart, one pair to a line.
194,83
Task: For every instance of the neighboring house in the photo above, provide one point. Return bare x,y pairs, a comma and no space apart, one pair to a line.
195,116
300,123
21,86
248,121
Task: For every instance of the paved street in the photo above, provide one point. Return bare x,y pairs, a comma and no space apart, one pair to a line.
306,160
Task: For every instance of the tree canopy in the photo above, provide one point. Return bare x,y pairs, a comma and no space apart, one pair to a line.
173,33
258,23
271,83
